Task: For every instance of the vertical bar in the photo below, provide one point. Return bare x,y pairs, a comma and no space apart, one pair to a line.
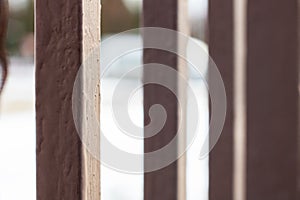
167,183
272,100
183,28
298,28
239,99
91,86
64,168
58,145
221,50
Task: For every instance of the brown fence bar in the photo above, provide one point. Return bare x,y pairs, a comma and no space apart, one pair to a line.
167,183
272,100
65,170
222,52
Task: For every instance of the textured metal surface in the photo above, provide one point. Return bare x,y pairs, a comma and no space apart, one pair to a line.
58,57
272,100
222,52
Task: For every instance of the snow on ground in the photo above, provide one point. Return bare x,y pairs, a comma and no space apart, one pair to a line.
17,133
17,142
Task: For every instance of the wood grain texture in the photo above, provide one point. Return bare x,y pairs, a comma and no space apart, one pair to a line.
272,100
221,48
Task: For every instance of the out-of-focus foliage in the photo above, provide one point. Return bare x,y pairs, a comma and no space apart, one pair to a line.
117,18
21,25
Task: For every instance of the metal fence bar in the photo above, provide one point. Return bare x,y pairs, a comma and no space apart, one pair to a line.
221,47
167,183
64,168
272,100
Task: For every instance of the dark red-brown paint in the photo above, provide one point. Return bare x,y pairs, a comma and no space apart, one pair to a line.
272,100
58,57
161,184
222,52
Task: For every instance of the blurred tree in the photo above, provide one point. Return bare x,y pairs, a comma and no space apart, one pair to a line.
117,18
21,24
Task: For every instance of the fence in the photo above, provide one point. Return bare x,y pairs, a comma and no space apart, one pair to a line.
255,46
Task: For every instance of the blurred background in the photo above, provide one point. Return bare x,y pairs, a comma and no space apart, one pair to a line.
17,124
17,116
